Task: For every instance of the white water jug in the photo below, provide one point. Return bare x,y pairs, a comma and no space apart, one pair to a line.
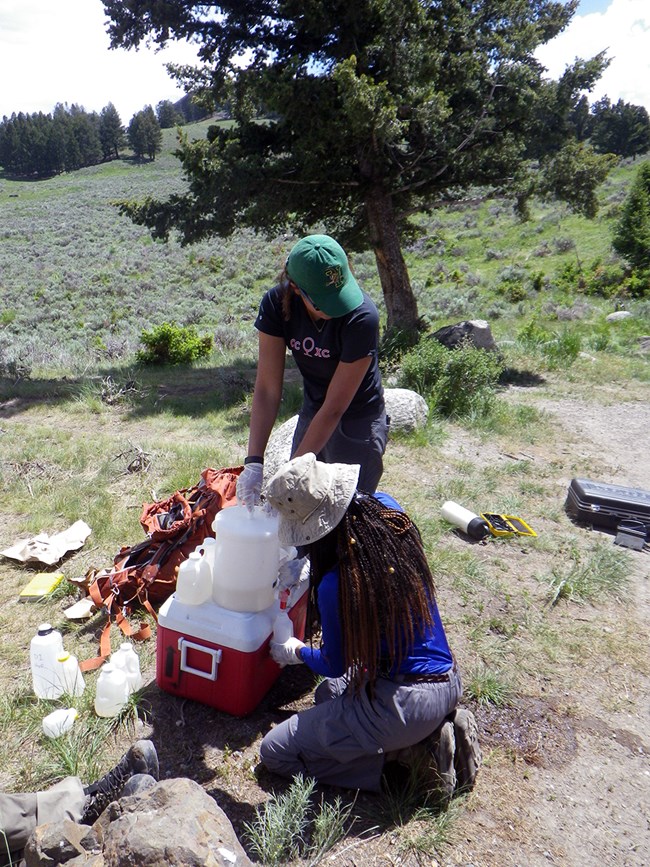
44,649
59,721
194,581
69,674
126,659
247,557
208,548
112,691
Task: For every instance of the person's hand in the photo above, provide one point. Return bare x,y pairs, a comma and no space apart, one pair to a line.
249,484
287,653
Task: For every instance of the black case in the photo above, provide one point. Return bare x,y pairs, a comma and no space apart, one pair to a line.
607,505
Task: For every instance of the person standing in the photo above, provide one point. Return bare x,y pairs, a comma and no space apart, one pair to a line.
331,327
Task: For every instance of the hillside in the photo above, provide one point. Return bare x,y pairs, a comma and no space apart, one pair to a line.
551,633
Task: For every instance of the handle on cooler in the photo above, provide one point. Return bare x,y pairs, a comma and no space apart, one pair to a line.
184,645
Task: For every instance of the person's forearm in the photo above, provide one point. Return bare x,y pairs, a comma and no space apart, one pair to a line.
321,428
263,415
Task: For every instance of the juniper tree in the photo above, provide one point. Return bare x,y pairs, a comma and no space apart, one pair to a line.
376,109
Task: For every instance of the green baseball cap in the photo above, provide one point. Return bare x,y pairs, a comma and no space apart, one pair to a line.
317,264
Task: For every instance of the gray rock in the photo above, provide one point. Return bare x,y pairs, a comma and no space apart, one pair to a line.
618,315
407,409
476,331
173,822
278,450
62,843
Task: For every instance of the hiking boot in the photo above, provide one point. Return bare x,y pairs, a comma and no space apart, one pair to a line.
468,758
442,746
140,759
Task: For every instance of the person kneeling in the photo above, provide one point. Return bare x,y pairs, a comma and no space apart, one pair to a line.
390,678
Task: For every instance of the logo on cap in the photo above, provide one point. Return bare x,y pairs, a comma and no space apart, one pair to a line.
335,276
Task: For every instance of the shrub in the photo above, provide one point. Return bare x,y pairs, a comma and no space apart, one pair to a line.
457,381
173,344
559,348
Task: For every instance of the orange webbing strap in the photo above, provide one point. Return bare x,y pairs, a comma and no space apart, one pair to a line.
141,634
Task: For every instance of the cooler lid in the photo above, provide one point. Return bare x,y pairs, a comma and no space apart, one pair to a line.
239,630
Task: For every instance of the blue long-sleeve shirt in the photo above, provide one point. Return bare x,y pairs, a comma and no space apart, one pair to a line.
429,654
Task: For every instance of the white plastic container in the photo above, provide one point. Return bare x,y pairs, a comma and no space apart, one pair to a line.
194,581
70,675
247,557
467,521
44,649
112,691
208,548
282,627
59,721
128,661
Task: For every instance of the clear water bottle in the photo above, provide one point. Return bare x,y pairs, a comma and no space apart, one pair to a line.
44,650
128,661
59,721
112,691
194,582
70,675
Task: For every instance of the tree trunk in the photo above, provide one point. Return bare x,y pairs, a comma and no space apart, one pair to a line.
401,306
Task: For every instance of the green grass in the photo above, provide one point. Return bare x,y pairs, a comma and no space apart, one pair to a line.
604,571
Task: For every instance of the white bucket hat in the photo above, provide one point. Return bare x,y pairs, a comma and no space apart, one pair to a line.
310,497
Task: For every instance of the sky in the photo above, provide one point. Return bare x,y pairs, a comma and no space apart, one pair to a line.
55,51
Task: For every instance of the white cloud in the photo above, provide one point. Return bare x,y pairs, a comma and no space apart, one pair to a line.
623,30
58,51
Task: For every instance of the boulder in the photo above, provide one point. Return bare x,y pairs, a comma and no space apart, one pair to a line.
407,409
618,316
173,822
476,331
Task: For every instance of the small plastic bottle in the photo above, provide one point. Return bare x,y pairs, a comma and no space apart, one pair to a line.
194,582
59,721
112,691
44,649
282,625
128,661
70,675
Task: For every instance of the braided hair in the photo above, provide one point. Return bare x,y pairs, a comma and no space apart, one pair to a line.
386,588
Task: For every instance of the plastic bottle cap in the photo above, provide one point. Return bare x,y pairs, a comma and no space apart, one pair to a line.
45,629
62,657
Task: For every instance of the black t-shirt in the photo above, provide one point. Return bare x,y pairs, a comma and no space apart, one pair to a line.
318,348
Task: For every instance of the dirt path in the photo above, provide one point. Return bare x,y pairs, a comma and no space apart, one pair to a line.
583,796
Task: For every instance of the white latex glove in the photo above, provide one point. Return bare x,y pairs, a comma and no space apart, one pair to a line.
287,653
249,485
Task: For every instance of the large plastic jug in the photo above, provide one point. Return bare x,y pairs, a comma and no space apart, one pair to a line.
112,691
247,556
59,721
70,674
44,649
128,661
194,581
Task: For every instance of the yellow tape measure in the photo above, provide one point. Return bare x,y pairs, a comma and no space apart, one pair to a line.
507,525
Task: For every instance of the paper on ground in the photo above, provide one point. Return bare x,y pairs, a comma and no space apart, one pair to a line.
49,549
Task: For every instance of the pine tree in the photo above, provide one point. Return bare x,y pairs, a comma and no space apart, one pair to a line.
111,132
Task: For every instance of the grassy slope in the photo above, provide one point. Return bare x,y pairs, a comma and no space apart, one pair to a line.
79,283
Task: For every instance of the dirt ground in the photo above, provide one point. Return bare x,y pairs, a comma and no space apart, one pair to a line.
566,778
566,775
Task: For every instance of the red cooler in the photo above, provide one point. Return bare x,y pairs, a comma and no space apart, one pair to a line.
219,657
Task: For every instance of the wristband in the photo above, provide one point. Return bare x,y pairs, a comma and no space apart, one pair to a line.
253,459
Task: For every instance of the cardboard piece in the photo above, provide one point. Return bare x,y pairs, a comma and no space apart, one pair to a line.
47,549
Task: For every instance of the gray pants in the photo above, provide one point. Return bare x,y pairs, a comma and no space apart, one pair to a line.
355,441
343,739
21,814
